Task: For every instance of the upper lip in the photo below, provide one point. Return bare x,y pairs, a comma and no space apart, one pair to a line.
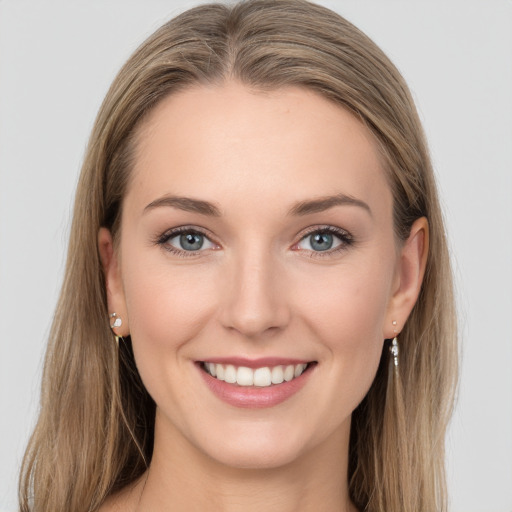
256,363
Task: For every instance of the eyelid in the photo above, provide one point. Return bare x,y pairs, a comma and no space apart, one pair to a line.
325,228
346,239
171,233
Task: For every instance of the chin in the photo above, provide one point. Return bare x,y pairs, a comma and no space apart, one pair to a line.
256,455
261,444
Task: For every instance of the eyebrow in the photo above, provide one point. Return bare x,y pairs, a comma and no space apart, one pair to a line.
301,208
325,203
186,204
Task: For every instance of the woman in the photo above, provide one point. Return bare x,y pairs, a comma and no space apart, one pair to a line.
257,308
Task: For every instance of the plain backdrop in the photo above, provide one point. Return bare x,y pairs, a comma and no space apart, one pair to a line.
57,59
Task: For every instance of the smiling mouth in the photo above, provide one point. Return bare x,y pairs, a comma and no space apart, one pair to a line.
265,376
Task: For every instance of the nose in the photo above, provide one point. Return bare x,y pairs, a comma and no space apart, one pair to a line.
255,303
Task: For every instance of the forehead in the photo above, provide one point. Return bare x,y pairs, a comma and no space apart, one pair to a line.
228,142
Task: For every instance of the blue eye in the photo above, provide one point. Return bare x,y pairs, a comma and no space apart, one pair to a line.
321,241
325,240
191,241
185,240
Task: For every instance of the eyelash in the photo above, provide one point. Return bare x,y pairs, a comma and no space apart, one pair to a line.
172,233
344,236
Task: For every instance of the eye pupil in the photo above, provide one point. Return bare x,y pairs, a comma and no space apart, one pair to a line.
191,241
321,241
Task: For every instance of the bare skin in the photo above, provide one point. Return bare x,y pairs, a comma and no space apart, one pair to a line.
256,225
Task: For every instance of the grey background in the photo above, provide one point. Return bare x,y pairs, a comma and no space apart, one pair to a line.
57,59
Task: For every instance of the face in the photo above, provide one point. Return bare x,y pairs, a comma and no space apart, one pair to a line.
256,237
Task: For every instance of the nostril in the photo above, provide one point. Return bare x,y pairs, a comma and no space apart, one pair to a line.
255,301
253,320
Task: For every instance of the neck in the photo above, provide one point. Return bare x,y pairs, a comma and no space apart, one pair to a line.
182,478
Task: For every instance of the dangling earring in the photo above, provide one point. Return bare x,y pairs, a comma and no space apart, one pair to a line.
394,351
116,323
394,346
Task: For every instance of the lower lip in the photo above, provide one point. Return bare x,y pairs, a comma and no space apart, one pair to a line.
253,397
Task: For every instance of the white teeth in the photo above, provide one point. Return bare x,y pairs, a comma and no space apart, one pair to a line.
299,368
244,376
289,373
260,377
277,375
230,374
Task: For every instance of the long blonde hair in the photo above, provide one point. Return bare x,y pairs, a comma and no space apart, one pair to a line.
95,430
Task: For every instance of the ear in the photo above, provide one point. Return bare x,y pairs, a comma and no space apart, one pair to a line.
112,270
408,277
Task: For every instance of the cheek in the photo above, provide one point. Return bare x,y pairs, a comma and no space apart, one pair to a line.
167,307
349,303
346,314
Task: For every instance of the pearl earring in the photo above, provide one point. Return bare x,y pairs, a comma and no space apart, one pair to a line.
116,323
394,351
394,345
117,320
